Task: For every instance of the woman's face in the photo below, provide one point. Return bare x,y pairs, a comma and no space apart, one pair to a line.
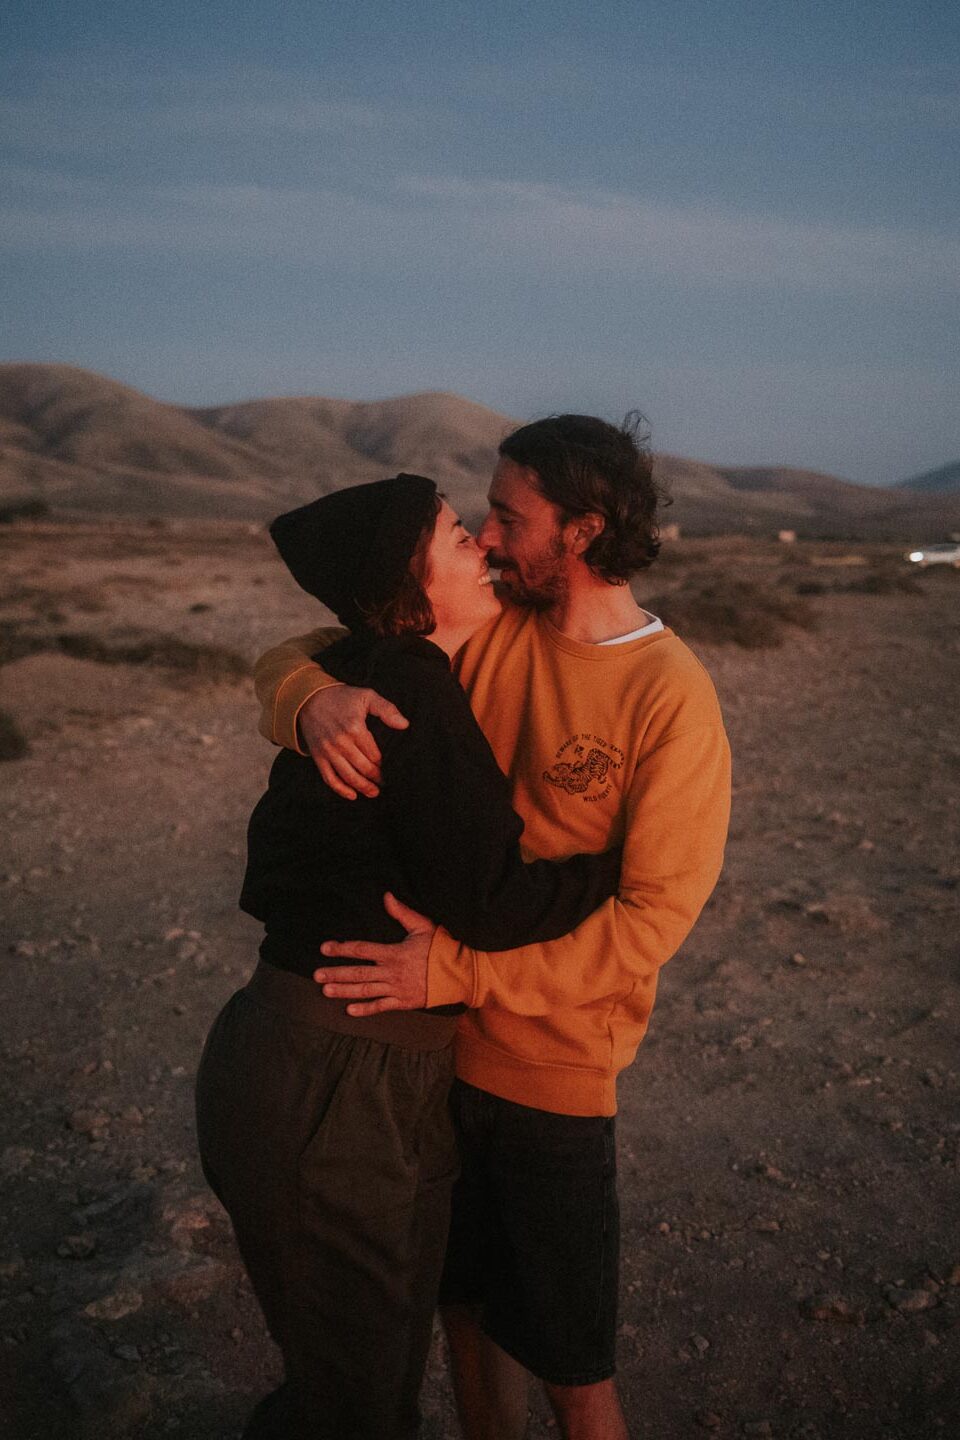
458,582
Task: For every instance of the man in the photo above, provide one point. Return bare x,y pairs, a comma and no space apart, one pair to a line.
610,732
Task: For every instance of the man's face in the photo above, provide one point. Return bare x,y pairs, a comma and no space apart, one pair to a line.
523,538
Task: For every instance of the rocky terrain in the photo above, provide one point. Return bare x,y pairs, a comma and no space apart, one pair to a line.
789,1135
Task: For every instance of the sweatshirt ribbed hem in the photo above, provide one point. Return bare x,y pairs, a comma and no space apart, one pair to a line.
562,1090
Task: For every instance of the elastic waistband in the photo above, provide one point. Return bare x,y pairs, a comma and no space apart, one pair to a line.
303,1000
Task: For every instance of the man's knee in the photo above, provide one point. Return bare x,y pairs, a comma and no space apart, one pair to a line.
588,1412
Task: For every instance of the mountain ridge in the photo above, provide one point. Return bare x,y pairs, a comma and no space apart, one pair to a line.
945,478
77,442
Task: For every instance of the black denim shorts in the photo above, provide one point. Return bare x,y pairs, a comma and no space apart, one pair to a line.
535,1234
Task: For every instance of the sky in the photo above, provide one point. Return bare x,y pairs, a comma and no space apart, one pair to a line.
739,216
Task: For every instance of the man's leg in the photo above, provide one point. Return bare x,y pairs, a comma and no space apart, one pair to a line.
534,1242
588,1412
491,1389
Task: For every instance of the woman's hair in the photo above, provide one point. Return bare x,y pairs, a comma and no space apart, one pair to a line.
585,465
408,611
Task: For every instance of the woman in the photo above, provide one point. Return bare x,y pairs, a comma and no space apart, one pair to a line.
326,1136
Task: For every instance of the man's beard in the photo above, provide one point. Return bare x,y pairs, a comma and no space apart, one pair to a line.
544,583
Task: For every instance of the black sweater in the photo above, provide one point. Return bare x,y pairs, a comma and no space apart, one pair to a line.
442,836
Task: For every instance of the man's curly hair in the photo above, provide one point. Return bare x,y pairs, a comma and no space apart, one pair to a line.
586,466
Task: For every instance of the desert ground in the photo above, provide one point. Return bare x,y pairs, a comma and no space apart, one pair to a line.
789,1136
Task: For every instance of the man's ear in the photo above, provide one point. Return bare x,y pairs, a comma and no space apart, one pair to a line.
583,530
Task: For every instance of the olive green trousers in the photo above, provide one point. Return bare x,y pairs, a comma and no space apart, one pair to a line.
334,1157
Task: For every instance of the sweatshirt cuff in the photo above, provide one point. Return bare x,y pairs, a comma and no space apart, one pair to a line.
451,971
292,694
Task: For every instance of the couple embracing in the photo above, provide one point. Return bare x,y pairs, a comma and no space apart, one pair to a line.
413,1099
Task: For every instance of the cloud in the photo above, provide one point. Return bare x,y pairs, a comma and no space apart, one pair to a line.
695,242
443,225
76,109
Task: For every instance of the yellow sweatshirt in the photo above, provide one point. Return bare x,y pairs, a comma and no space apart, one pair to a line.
604,744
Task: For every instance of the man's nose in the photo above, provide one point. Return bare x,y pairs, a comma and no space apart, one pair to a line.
486,535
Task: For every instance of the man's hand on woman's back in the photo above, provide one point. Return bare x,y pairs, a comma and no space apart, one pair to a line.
332,726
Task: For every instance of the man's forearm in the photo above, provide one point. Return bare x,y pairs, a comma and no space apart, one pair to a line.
285,678
670,866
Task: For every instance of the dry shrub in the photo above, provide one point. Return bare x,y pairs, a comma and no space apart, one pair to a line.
164,652
167,652
883,582
875,582
735,612
13,742
15,510
14,644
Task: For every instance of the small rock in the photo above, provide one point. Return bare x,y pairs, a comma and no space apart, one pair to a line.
708,1420
777,1177
186,1218
954,1277
187,1285
797,959
88,1121
115,1306
77,1247
129,1196
15,1159
908,1302
767,1227
130,1118
127,1352
832,1308
700,1344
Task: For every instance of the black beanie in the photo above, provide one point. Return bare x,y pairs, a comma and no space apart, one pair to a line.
352,548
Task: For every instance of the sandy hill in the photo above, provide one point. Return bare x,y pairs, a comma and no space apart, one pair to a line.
81,443
945,477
